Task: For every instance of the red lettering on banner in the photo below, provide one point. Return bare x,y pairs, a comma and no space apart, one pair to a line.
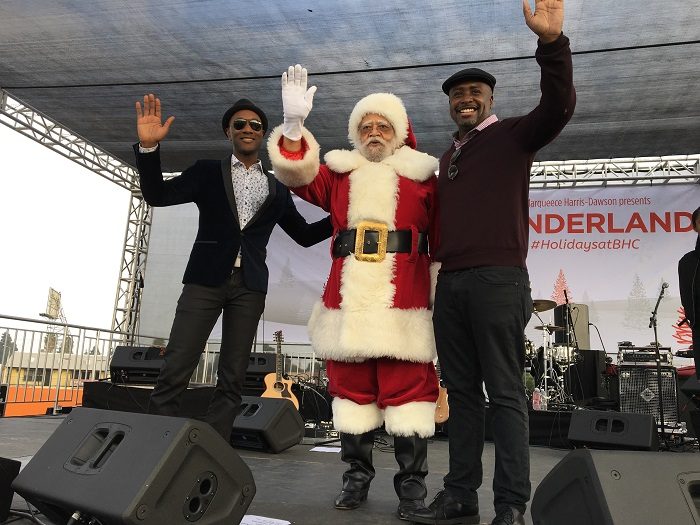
680,215
575,223
665,223
581,223
549,218
611,225
636,222
595,220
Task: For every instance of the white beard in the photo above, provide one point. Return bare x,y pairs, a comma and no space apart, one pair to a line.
376,155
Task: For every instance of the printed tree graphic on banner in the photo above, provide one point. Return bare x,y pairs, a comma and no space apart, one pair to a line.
639,307
683,335
559,287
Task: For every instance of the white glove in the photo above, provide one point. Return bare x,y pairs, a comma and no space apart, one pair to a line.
297,101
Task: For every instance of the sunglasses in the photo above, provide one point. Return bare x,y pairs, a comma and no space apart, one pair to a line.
453,170
240,123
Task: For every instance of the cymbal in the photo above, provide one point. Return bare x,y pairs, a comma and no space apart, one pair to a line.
542,305
550,328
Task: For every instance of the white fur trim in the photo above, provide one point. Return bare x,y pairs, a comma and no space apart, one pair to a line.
434,270
359,334
344,161
407,162
386,104
352,418
374,194
412,164
294,173
411,418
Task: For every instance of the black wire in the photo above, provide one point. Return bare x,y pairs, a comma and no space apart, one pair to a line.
353,71
599,337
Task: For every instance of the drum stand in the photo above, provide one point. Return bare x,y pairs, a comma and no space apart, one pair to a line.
554,390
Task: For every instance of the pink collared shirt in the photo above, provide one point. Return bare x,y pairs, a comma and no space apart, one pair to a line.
491,119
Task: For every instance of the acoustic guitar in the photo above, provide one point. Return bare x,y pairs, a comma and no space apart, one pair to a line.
442,409
275,384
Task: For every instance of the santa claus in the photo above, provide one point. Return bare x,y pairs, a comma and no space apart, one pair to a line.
373,323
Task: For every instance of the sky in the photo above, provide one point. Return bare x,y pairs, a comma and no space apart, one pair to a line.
61,226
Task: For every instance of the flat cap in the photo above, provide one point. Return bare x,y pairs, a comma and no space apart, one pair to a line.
240,104
472,73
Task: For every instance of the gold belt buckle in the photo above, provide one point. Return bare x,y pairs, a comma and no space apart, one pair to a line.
383,231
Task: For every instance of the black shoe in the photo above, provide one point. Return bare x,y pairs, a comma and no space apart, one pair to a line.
348,500
509,516
444,510
412,507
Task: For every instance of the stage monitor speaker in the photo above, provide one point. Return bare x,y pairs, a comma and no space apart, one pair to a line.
267,423
124,468
604,487
617,430
136,364
639,391
9,468
579,318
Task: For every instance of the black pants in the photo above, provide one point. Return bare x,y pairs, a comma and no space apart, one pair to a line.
198,309
479,319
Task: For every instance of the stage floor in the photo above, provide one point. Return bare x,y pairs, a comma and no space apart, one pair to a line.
299,484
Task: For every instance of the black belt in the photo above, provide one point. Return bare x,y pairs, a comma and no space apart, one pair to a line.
397,242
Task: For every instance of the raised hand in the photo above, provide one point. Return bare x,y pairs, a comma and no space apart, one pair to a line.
149,124
297,100
548,19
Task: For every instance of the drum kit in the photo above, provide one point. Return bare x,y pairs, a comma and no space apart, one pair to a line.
550,361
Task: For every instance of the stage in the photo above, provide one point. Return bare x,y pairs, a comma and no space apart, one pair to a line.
298,485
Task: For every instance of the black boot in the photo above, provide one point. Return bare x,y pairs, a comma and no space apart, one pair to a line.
355,449
409,482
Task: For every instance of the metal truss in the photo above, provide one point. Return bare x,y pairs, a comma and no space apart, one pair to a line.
37,126
678,169
127,303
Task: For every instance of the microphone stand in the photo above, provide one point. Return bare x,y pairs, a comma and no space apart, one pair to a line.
570,330
652,323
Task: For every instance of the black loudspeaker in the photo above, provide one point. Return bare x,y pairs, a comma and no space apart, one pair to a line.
584,378
267,423
136,364
605,487
9,468
259,365
606,429
124,468
579,319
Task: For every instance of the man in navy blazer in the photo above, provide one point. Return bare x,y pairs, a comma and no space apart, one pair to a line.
239,205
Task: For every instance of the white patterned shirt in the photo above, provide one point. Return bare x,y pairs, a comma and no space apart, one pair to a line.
250,189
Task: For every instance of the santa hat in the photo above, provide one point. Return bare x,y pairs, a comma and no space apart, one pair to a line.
391,108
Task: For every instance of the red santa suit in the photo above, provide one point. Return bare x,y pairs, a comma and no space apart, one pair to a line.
373,323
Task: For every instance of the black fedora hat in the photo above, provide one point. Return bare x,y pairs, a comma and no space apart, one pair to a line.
240,104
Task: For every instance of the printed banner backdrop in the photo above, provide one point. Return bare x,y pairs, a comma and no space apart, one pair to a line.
611,248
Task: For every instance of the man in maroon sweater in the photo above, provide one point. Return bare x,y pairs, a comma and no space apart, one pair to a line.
483,299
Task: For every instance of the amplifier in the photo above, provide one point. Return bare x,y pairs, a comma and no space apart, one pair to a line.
644,357
639,391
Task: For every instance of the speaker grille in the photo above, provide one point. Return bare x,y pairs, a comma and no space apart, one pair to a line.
639,391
